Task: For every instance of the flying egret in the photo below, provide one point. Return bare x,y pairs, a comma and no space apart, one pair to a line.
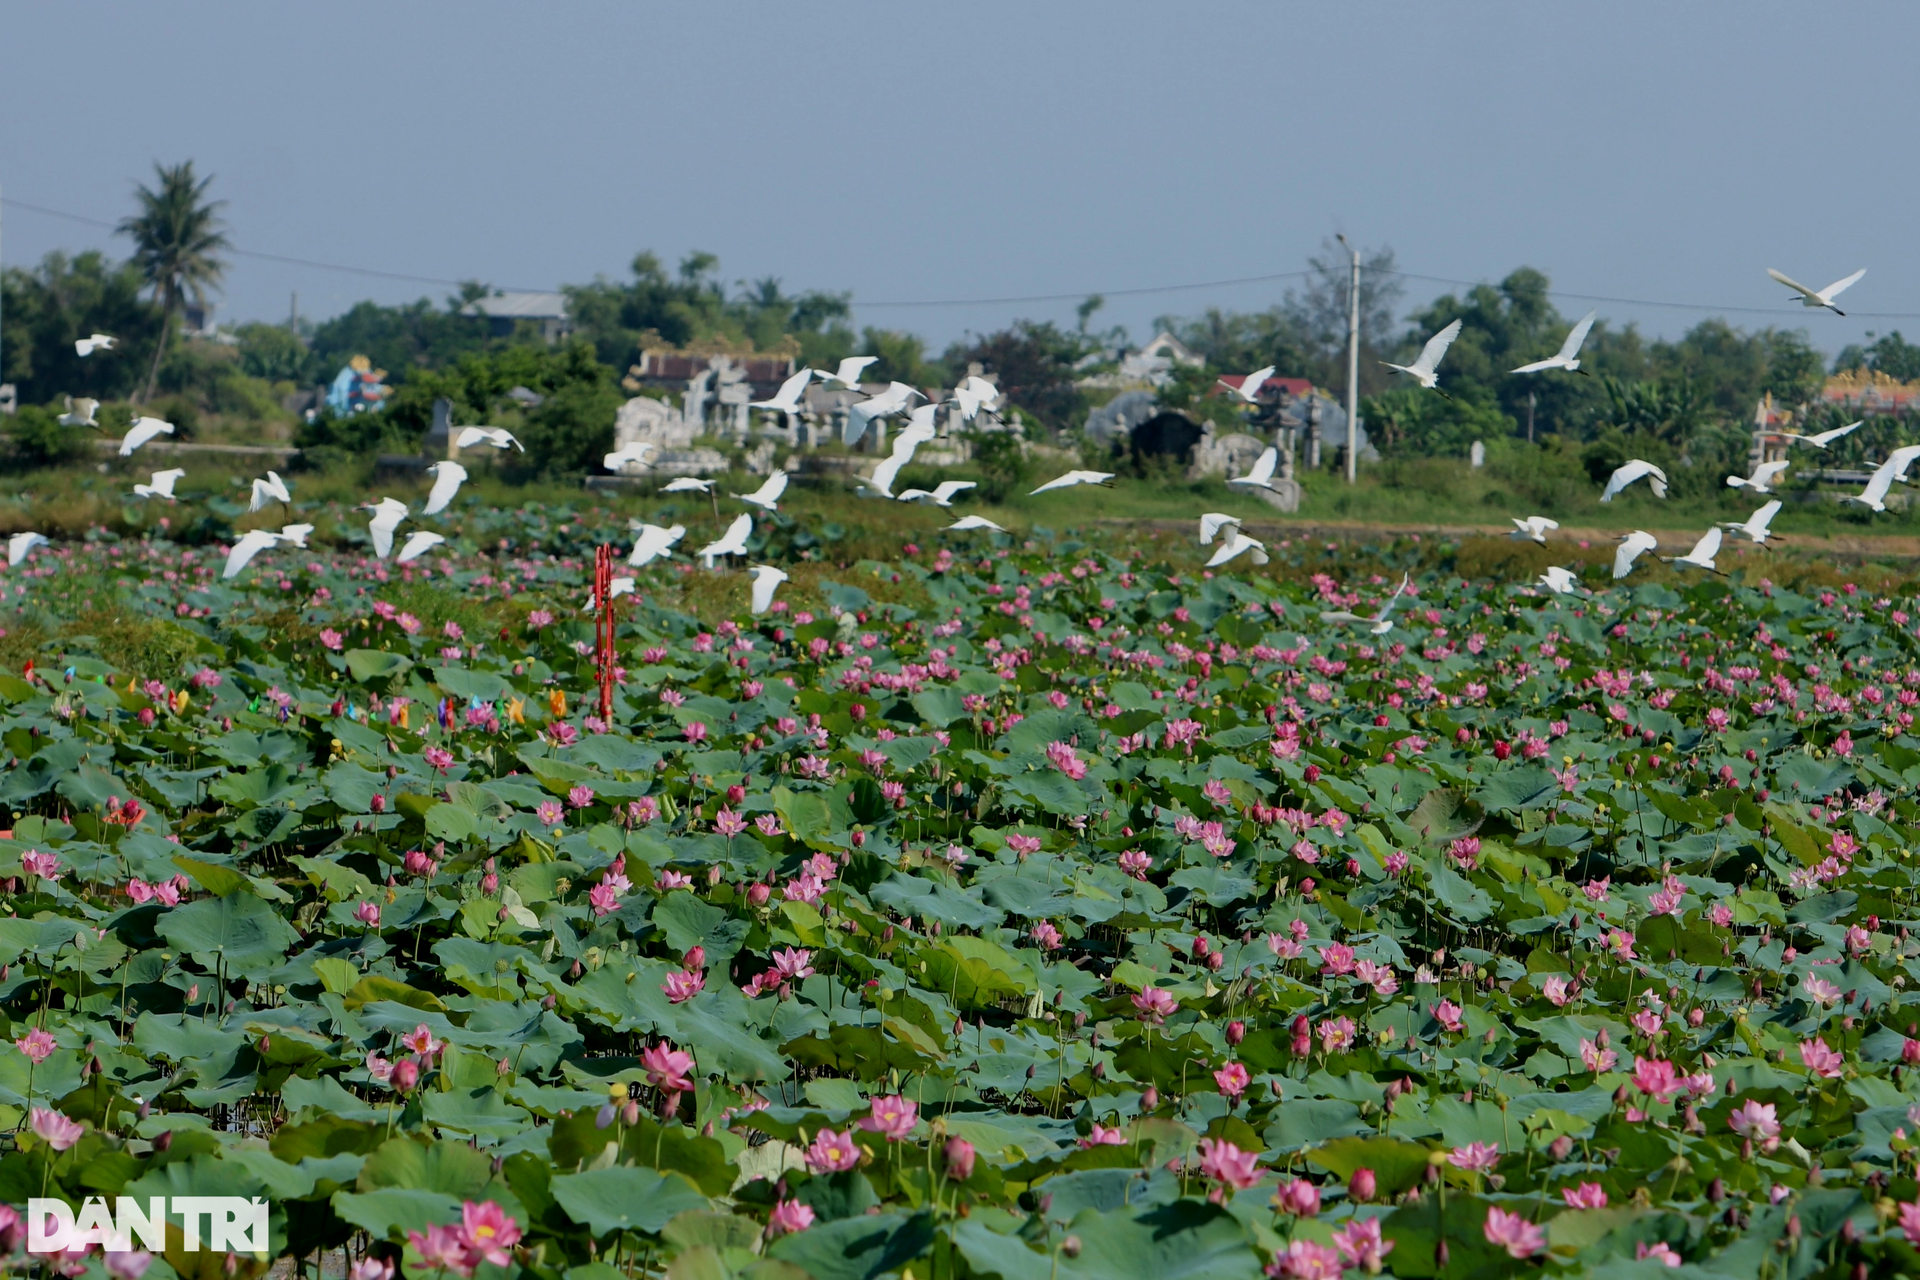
1559,581
1819,297
848,372
143,430
1902,458
20,544
1568,356
161,485
1632,546
1630,471
616,587
1249,389
942,494
387,515
498,437
418,544
975,522
272,489
787,398
1217,524
295,535
80,413
687,484
635,453
447,479
246,547
897,396
1422,370
1380,623
1067,481
1824,438
1764,474
1236,543
1755,526
1533,528
1701,557
973,395
884,473
654,542
731,543
767,496
1875,494
1261,476
94,342
766,580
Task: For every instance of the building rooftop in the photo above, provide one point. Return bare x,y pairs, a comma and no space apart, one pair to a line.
519,306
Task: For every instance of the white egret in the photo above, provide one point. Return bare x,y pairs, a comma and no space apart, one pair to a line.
1824,438
447,479
634,453
1261,476
418,544
767,496
20,544
1632,546
1216,524
1701,557
897,396
654,542
941,495
766,580
787,398
731,543
249,544
94,342
1568,356
1559,581
973,395
1237,543
847,374
1067,481
1755,525
885,472
497,437
80,413
1819,297
161,486
1902,458
687,484
1533,528
616,587
387,515
272,489
143,430
1422,370
1875,494
1630,471
975,522
1764,474
1380,623
1249,389
295,535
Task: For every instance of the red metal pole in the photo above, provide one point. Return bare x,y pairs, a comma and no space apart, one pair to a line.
603,593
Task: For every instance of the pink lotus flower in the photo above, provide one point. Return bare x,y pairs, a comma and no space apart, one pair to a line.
1066,760
1822,1061
787,1217
1509,1231
1306,1260
127,1264
1659,1251
1297,1196
667,1068
1819,989
1556,989
44,865
832,1152
1756,1121
1656,1078
1588,1195
1155,1006
1378,976
443,1248
1596,1059
793,964
580,796
551,813
1910,1221
1225,1163
1232,1079
379,1070
1023,845
1475,1157
489,1232
1447,1014
728,823
37,1045
1045,935
54,1129
1336,958
1101,1136
682,985
1336,1034
668,881
368,913
892,1118
1360,1244
604,898
1136,864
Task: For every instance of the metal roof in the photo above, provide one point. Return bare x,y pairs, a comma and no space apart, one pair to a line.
519,306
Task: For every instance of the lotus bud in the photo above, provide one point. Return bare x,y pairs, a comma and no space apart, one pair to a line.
1236,1032
1363,1185
960,1157
1150,1099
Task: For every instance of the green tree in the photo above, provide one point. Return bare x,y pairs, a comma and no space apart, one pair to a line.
1890,354
44,308
177,242
1032,363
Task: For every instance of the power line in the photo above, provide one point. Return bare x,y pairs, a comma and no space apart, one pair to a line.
1022,299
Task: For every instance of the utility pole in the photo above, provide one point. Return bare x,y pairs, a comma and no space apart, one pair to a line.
1353,366
293,315
1530,398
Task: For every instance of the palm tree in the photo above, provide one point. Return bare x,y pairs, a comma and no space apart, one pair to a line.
176,243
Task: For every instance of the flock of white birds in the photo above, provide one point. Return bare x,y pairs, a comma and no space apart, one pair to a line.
972,397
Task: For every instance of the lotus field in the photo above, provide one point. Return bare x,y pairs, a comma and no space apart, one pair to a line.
1032,909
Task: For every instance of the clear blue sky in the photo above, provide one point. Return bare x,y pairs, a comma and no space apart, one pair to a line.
912,151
